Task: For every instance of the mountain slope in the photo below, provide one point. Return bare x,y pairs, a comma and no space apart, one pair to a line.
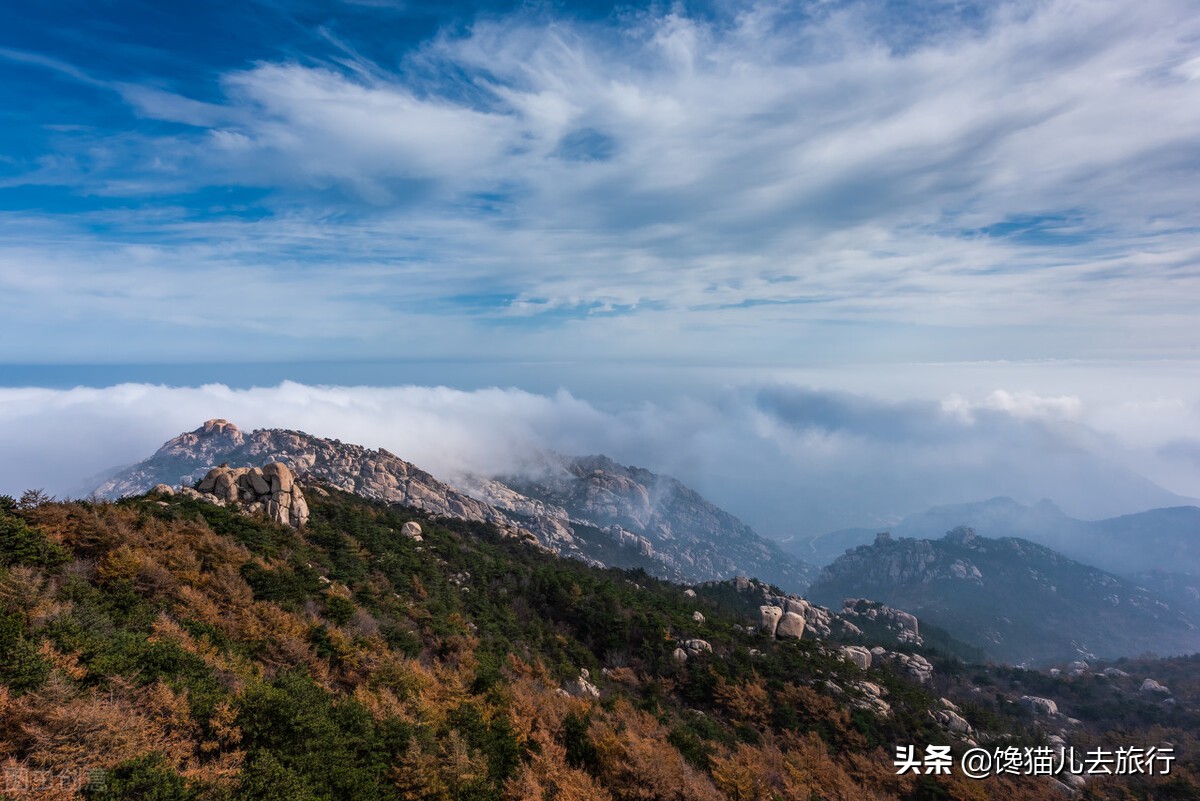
590,509
1019,601
1159,539
657,514
168,647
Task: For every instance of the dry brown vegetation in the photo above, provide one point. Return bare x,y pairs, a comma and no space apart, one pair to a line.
191,653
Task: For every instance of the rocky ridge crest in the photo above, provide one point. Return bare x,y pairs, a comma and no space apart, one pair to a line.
590,509
375,474
650,514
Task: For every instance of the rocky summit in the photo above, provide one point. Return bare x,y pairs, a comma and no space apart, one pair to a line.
373,474
591,509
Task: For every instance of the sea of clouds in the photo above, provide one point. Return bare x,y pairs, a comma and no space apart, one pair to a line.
787,458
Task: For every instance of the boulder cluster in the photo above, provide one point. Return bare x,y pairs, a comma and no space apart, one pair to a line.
914,666
949,718
903,625
271,489
787,617
582,687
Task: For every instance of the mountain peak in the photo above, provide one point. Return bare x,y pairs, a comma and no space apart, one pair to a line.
218,426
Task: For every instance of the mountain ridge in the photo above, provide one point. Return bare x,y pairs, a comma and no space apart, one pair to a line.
1166,538
1019,601
591,508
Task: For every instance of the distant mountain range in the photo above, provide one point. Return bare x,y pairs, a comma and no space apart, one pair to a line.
1017,600
588,508
1161,540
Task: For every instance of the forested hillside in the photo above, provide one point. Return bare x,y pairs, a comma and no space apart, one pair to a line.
164,647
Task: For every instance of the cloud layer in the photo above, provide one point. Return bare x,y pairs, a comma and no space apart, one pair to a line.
847,223
788,459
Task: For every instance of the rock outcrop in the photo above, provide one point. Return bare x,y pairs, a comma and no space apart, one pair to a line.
950,719
792,617
879,618
871,698
1038,705
270,489
791,626
769,617
914,666
1153,686
582,687
858,655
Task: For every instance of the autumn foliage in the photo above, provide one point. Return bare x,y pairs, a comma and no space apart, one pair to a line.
165,648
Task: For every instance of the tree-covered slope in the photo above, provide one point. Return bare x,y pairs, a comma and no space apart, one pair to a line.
191,652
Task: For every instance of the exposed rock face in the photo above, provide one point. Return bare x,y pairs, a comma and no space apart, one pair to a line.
876,616
791,626
907,621
697,647
1040,706
914,666
582,687
769,617
1152,686
627,539
872,698
789,616
271,489
952,721
655,515
412,531
858,655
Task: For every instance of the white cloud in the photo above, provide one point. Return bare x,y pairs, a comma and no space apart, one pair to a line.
786,458
1021,405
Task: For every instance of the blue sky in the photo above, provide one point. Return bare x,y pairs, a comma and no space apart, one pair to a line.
741,182
626,201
